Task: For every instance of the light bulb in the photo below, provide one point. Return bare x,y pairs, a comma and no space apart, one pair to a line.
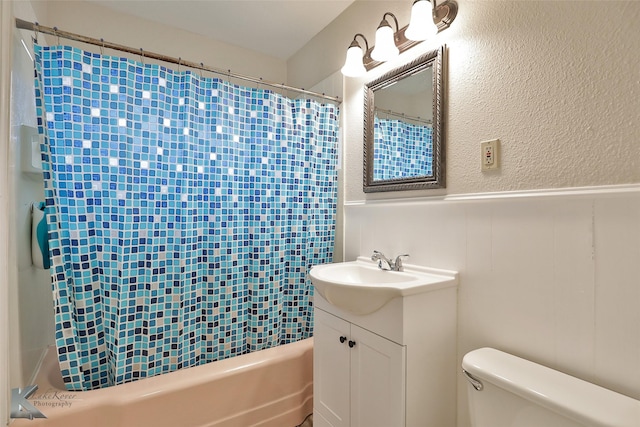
353,66
385,48
421,26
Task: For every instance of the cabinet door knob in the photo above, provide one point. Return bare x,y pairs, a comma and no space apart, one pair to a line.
343,339
352,343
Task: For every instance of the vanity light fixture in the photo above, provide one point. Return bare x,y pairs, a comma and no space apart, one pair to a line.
427,19
353,64
385,48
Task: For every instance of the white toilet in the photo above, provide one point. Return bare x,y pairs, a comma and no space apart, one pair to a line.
507,391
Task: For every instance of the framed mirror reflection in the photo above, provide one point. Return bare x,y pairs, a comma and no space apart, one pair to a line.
403,127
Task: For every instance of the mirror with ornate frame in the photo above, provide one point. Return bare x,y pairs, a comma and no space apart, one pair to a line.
403,127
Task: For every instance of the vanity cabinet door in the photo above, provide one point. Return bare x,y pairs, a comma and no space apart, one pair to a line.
358,376
331,370
377,380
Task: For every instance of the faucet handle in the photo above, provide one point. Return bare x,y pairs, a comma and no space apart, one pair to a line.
379,256
398,262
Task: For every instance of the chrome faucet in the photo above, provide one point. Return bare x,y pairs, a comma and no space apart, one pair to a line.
385,263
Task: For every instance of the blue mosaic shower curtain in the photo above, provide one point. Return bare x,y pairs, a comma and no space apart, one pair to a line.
184,213
402,149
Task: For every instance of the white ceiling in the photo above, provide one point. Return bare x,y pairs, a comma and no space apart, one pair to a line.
276,28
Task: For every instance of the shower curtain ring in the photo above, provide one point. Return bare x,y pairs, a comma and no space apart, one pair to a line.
201,68
179,63
34,39
55,32
142,56
102,47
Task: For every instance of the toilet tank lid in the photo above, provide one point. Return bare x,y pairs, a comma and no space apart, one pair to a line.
569,396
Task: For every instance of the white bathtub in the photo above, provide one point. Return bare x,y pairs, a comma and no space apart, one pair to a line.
269,388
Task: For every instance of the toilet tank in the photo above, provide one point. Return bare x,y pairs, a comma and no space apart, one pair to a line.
507,391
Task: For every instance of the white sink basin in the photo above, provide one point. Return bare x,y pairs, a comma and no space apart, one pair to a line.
360,287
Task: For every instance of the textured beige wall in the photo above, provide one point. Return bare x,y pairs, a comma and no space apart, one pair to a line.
557,82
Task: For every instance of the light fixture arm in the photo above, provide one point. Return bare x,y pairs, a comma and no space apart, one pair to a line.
385,22
354,43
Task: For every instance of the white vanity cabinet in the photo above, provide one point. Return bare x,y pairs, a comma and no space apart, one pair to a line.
359,377
394,367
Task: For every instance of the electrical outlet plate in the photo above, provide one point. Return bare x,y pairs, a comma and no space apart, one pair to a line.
490,154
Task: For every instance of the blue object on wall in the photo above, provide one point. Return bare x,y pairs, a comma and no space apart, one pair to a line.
184,215
42,237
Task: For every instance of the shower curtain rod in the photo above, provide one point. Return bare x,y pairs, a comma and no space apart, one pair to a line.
37,28
404,116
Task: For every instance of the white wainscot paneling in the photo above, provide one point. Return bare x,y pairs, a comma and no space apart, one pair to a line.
358,232
617,323
433,234
552,277
573,287
518,293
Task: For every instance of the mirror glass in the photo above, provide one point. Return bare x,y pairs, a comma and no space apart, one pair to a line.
403,138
